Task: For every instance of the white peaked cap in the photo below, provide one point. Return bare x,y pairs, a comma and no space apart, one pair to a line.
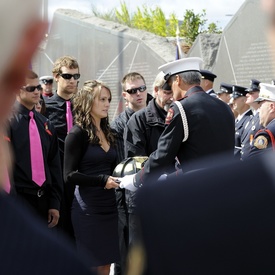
47,77
181,65
267,92
15,15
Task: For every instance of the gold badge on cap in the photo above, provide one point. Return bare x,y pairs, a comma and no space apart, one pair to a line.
170,115
261,142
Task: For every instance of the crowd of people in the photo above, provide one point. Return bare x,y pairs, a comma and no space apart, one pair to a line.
59,151
80,147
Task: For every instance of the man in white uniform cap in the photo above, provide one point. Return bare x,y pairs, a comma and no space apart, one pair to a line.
264,139
46,82
197,125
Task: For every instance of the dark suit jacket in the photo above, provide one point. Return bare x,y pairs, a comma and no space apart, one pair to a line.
27,247
219,220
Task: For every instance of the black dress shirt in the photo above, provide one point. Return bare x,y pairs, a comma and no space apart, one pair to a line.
19,137
56,112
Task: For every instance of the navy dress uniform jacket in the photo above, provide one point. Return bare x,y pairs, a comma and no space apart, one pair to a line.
263,140
212,93
253,126
215,221
239,130
211,132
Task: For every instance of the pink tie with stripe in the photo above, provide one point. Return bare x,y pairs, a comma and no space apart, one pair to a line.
69,116
37,161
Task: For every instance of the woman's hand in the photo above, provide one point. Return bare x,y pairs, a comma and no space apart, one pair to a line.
112,182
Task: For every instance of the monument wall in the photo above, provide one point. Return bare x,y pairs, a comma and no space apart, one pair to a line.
105,50
243,52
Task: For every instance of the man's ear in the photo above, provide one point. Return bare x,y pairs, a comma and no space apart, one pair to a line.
179,80
56,77
124,95
15,73
272,107
156,89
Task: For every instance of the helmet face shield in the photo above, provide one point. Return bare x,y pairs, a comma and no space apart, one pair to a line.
129,166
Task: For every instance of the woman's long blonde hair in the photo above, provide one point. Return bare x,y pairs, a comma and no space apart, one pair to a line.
83,102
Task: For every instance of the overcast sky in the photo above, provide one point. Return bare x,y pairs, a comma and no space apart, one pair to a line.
217,11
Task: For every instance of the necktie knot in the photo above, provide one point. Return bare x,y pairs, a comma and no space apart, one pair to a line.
31,114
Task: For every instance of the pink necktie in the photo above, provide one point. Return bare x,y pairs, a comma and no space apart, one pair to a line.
69,116
37,161
7,184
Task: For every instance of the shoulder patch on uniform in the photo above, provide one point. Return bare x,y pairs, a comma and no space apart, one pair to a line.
169,116
261,142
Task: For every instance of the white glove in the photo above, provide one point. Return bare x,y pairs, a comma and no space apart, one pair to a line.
127,182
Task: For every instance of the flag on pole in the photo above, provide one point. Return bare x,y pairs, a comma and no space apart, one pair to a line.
178,46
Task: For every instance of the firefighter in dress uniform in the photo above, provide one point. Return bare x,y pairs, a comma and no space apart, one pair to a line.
196,124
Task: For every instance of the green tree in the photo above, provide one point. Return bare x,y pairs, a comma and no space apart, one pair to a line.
123,17
192,25
159,22
153,20
213,28
173,22
142,19
106,15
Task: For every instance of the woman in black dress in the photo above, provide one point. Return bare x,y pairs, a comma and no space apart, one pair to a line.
89,161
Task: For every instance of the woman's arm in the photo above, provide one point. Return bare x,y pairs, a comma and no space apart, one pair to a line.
76,144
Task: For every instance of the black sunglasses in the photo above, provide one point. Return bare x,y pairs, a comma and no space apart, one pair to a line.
32,88
47,81
69,76
134,90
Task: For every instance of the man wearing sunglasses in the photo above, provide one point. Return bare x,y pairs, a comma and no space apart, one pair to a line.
141,135
135,94
46,82
44,199
66,75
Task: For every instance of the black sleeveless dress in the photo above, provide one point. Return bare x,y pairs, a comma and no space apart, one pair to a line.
94,211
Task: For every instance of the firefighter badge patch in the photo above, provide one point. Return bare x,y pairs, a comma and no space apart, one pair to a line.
261,142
